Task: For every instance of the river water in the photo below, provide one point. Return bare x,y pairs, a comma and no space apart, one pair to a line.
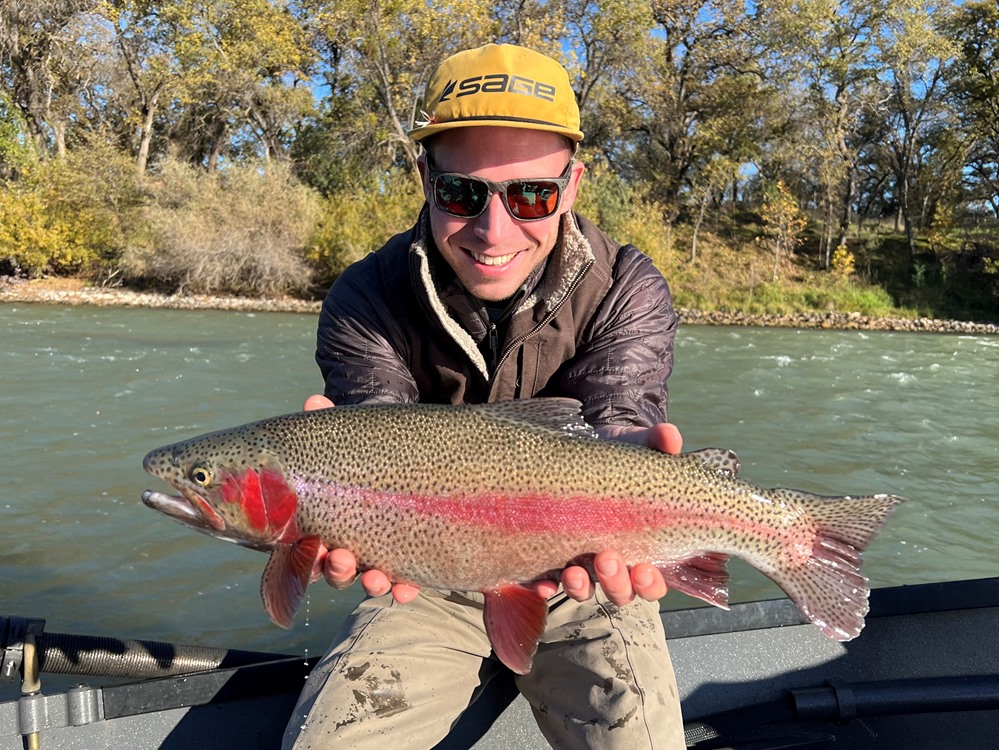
86,392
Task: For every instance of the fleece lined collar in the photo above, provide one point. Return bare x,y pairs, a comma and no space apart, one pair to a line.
571,254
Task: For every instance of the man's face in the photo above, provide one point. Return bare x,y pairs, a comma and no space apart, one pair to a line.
493,253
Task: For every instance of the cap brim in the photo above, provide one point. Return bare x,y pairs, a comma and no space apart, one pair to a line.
419,134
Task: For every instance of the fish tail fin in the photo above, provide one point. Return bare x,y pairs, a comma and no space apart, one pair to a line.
828,587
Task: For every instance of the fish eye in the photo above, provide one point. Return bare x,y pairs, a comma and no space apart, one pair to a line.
201,474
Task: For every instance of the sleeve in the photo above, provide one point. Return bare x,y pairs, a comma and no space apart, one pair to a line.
361,349
625,356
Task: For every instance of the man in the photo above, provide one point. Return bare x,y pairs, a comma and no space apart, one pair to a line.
499,291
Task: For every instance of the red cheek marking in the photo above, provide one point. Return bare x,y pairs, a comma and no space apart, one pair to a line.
279,500
208,512
267,502
244,488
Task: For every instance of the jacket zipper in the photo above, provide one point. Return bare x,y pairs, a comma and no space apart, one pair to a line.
551,314
493,347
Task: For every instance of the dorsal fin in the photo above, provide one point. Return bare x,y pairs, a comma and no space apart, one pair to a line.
561,415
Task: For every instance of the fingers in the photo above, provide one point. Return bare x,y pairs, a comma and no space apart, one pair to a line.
577,583
404,592
613,577
619,584
317,402
648,582
375,583
663,437
339,568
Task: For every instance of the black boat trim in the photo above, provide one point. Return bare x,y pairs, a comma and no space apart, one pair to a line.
885,602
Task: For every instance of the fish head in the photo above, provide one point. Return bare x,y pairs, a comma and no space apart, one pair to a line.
229,486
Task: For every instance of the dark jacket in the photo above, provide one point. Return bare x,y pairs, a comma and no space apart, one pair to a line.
597,326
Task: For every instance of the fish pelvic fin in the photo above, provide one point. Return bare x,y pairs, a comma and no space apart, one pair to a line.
286,576
828,587
515,618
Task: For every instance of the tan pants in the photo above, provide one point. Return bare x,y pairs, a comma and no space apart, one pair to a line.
602,677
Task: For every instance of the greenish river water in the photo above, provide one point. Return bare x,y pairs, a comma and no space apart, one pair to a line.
86,392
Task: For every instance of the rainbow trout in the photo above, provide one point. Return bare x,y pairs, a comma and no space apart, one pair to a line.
489,497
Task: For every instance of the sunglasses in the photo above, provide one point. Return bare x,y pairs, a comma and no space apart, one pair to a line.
466,197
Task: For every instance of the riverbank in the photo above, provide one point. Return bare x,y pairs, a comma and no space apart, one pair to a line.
68,292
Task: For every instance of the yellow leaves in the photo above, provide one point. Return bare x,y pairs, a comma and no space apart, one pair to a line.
783,222
36,237
843,262
357,220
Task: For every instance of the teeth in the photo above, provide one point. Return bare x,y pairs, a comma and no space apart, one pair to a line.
498,260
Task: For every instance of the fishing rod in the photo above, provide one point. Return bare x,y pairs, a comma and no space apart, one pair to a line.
25,646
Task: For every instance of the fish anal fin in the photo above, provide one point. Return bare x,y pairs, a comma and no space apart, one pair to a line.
828,586
703,576
515,619
285,578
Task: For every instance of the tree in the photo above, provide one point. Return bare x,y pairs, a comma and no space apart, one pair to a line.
783,223
826,47
37,46
912,55
973,85
377,57
702,67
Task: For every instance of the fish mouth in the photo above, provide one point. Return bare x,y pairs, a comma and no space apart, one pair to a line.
182,510
175,506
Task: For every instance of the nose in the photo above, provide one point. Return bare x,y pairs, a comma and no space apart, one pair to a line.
495,222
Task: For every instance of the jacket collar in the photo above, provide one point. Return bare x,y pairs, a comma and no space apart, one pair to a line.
437,286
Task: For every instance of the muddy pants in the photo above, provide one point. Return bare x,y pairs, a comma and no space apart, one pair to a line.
403,673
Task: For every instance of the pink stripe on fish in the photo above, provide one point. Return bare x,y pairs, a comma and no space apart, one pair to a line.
529,513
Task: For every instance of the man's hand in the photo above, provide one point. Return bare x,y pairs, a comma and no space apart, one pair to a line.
339,567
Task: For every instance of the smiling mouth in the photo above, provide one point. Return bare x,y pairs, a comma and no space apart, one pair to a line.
492,260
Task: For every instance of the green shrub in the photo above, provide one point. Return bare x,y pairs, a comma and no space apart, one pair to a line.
67,216
356,221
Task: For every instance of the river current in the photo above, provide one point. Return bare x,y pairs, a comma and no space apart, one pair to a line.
86,392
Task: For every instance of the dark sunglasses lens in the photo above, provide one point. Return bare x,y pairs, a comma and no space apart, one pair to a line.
460,196
532,200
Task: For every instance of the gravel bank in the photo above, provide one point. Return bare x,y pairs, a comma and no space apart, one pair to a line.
22,291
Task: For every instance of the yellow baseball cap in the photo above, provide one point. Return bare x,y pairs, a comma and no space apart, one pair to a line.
498,84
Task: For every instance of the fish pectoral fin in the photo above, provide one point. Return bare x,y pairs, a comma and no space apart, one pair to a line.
703,576
515,618
286,576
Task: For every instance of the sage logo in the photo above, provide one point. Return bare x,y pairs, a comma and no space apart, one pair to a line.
498,83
